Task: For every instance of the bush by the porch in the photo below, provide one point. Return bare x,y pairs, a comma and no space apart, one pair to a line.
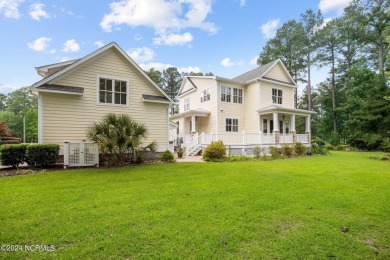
215,152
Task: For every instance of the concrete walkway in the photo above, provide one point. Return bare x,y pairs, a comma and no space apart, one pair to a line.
197,158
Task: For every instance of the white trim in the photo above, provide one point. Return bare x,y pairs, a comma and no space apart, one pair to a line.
55,91
217,103
40,123
283,67
113,78
188,92
278,83
92,55
156,101
258,104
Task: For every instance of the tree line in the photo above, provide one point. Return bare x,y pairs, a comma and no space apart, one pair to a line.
353,102
19,110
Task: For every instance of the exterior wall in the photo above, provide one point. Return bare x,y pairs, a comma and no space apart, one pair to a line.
231,110
252,93
204,124
67,117
278,73
266,94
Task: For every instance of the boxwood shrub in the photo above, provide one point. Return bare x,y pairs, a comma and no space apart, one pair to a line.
42,155
13,154
215,152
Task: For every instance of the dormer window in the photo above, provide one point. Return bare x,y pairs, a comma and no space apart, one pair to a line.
277,96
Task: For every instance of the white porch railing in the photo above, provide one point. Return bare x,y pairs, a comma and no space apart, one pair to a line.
303,138
242,139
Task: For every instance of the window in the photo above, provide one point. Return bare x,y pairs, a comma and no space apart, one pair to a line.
226,94
186,104
237,95
231,125
276,96
112,91
265,126
205,95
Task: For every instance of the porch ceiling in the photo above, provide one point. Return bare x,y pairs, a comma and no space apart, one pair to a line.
195,112
281,109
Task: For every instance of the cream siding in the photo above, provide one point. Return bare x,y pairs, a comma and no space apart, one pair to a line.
278,73
251,105
231,110
67,117
266,95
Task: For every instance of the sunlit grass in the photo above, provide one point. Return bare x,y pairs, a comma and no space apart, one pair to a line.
292,208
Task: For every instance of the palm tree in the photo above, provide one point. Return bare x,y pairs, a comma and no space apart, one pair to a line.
118,135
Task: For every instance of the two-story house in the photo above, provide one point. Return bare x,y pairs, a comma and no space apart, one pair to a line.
252,109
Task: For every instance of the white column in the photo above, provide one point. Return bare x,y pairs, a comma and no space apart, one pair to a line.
292,123
308,126
193,124
276,121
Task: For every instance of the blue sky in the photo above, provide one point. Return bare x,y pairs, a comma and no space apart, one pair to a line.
220,36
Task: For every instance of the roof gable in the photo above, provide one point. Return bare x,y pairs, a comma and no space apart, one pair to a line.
77,64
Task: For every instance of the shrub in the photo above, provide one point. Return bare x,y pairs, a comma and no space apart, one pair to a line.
42,155
13,155
275,152
215,152
321,150
180,152
318,141
9,140
386,145
287,150
239,158
330,147
300,149
257,151
167,156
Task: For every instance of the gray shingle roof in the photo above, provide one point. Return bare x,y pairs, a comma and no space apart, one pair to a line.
155,98
62,88
255,73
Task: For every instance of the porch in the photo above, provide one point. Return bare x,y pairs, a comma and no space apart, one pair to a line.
241,143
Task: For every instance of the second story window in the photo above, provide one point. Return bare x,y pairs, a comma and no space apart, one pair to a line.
226,94
112,91
186,104
237,95
205,95
277,96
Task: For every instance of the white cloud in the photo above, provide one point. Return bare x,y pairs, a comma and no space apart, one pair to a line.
52,51
254,60
269,28
99,43
324,23
141,54
6,88
227,62
173,39
137,37
71,46
10,8
161,15
242,3
338,6
36,11
40,44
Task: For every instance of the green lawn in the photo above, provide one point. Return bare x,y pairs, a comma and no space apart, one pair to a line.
292,208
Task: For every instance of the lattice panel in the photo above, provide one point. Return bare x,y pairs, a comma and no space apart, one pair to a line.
81,154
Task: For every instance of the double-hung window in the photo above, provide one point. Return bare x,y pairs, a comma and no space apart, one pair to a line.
226,94
231,125
186,104
205,95
113,91
237,95
277,96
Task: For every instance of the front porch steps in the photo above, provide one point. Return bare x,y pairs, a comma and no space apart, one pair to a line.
194,150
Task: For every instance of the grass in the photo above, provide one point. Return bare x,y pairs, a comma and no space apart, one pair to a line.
292,208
